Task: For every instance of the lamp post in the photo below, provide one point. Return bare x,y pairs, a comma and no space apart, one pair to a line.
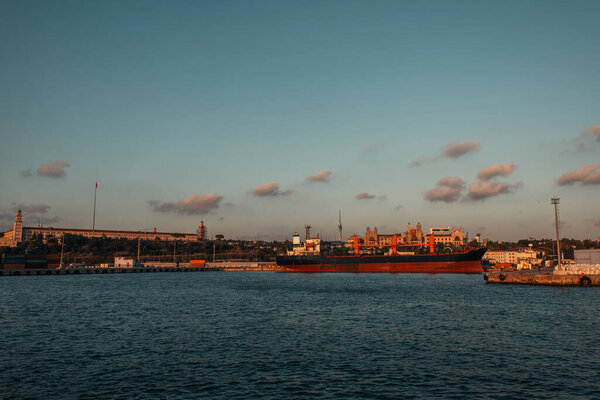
62,245
555,201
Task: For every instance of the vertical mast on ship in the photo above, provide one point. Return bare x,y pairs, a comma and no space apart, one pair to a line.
340,227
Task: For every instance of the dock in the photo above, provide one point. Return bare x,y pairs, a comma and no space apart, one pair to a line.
97,270
541,278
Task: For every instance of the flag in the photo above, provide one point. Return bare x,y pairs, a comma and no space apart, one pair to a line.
96,185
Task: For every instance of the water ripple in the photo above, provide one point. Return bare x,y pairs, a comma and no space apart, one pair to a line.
269,335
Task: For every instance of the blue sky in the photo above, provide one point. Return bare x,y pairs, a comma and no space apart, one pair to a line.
166,101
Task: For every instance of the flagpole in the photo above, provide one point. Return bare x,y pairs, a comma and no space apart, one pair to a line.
94,221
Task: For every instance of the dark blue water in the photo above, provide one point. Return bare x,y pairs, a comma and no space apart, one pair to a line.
273,335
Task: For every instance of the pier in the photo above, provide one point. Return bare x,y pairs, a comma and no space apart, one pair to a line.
541,278
97,270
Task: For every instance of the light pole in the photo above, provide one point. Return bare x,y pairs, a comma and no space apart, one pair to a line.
556,201
62,245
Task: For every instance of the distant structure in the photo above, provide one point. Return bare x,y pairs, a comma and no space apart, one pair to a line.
307,227
201,231
449,235
13,237
310,246
20,233
555,201
415,235
340,226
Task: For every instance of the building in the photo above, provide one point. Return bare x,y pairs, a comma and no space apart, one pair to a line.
448,235
14,236
416,236
20,233
201,231
413,235
531,256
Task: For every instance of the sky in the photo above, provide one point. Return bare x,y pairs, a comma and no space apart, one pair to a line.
258,117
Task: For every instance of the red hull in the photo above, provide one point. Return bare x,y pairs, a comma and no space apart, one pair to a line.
452,267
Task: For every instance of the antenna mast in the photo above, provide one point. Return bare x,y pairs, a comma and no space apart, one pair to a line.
307,227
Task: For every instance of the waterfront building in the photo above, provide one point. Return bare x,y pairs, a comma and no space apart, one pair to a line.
20,233
415,235
448,235
534,257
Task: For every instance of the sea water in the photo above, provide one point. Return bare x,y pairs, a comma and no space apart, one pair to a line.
224,335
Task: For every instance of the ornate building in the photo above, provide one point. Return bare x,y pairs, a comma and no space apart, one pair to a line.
410,236
416,236
20,233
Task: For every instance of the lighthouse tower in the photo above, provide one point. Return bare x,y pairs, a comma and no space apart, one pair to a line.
18,227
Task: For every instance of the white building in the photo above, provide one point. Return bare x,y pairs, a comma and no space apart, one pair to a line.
514,257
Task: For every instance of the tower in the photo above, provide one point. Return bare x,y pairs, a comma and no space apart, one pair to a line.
340,227
18,227
201,231
307,227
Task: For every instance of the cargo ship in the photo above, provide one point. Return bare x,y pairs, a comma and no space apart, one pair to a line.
466,262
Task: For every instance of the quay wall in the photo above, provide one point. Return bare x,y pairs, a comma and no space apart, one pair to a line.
530,278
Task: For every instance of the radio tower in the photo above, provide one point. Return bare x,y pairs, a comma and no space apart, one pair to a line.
340,226
307,227
556,201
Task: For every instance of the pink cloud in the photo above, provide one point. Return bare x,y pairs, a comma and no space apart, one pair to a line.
322,176
194,204
496,170
52,169
364,196
484,190
451,150
447,189
270,189
457,149
586,175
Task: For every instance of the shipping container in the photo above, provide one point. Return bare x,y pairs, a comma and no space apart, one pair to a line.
14,266
36,251
197,263
14,261
36,266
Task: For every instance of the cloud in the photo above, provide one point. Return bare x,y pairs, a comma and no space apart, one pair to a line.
451,150
26,173
457,149
322,176
496,170
593,131
583,140
484,190
585,175
420,161
53,169
32,214
398,207
33,208
270,189
195,204
447,189
364,196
